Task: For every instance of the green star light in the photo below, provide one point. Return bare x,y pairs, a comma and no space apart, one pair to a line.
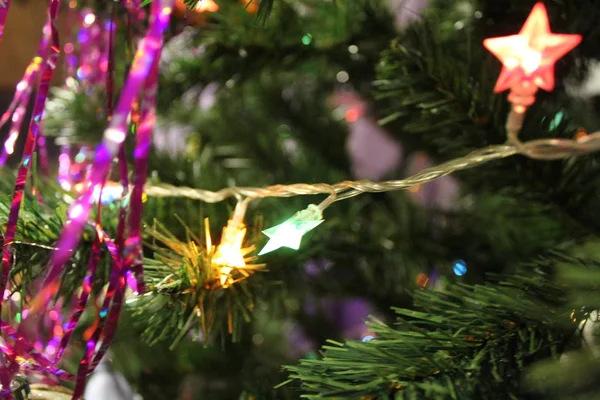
289,234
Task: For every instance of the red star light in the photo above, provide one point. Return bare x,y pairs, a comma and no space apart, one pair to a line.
531,54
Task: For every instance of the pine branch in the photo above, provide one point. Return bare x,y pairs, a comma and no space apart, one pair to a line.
75,117
465,342
575,374
298,37
449,108
38,228
190,293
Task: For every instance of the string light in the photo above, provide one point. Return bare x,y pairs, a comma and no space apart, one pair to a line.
542,149
460,268
528,60
251,6
206,6
530,55
289,234
229,255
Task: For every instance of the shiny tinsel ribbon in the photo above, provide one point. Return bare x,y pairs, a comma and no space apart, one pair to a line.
38,108
148,52
86,290
135,272
86,39
131,253
114,137
95,42
133,245
9,368
101,338
123,169
22,95
85,366
70,55
113,291
47,69
23,350
4,5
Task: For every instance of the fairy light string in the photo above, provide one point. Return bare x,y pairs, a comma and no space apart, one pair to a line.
230,255
291,231
540,149
528,65
528,60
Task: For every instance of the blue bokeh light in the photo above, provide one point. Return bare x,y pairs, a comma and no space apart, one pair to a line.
460,268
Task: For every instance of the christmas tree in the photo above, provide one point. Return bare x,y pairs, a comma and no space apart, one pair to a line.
282,199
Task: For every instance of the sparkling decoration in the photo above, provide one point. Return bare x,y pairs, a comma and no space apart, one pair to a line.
207,279
114,136
422,280
581,135
529,56
251,6
460,268
42,64
196,15
110,193
203,278
141,69
207,6
229,256
342,77
289,234
307,39
14,346
4,4
18,353
555,123
74,164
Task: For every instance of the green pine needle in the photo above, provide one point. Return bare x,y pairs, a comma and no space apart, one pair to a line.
465,342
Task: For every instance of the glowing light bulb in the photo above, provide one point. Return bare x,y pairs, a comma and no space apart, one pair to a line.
76,211
207,6
51,349
114,135
229,254
532,60
531,54
9,145
460,268
22,85
89,19
289,234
